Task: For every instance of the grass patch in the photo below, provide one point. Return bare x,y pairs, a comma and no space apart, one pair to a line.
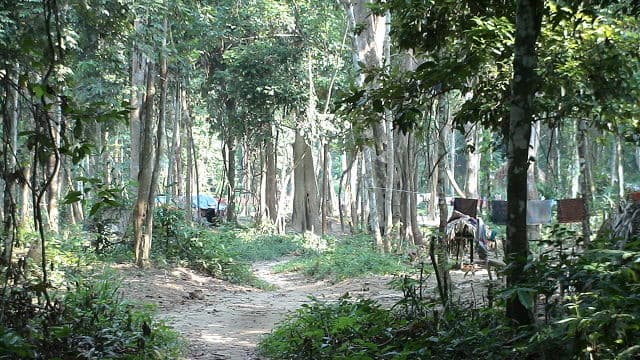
350,257
253,247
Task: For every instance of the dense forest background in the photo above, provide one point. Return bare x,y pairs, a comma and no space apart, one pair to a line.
316,116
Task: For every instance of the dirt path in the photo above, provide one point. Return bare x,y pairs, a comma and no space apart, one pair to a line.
225,321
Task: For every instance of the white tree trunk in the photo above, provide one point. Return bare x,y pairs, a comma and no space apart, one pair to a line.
374,221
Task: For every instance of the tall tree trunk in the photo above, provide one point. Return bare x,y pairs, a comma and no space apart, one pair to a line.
369,48
528,22
142,208
442,265
585,190
11,174
174,151
351,193
413,191
362,193
271,174
306,208
620,167
374,221
230,143
262,215
474,157
53,170
138,69
389,184
326,200
533,231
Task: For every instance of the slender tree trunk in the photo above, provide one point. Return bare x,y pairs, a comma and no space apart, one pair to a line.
362,192
11,174
374,221
325,186
230,143
174,151
53,170
442,250
533,231
352,193
188,191
620,167
474,157
262,215
389,184
138,68
585,192
528,22
413,191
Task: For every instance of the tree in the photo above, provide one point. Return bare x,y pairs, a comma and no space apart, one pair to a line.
528,24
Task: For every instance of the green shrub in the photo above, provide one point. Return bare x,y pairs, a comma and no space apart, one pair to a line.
362,329
89,321
344,330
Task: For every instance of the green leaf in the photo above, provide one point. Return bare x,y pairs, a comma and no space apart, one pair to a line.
72,196
526,297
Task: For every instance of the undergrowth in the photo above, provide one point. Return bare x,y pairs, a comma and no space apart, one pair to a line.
222,252
82,316
349,257
587,307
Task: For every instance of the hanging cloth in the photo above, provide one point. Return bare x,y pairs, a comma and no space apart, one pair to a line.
571,210
634,196
539,212
499,212
466,206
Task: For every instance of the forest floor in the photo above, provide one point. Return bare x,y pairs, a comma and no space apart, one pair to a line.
226,321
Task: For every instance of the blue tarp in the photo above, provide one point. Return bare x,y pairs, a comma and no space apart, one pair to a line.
205,201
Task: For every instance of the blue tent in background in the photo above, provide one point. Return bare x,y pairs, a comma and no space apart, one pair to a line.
206,201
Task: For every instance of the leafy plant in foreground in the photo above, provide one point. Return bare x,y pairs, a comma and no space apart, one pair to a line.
89,321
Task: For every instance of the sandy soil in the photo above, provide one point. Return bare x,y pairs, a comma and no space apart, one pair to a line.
226,321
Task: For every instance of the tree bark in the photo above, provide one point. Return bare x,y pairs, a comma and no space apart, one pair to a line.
620,167
53,170
474,157
374,221
305,198
585,189
138,68
11,173
230,143
271,176
442,252
528,22
325,186
173,169
142,209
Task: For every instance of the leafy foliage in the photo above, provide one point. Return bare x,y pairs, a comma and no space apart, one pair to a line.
598,317
224,252
87,321
362,329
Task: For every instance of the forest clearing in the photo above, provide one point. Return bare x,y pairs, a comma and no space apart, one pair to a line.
319,179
